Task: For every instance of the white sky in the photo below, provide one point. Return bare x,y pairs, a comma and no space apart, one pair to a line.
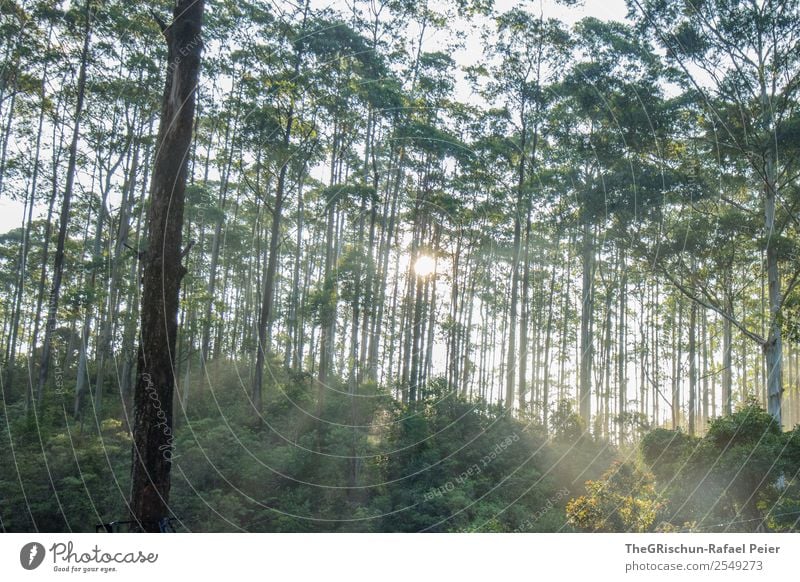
10,214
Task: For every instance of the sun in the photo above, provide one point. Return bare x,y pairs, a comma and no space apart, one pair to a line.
424,266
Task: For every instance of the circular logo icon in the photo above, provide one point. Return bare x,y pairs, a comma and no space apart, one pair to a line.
31,555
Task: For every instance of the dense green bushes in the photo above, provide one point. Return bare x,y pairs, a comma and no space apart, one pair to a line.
445,465
367,463
740,476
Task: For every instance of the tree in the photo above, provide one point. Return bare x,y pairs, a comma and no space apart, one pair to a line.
66,201
622,500
728,475
611,122
162,272
741,59
268,293
527,55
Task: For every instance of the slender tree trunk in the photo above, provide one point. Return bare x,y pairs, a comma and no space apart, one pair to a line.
607,363
268,294
677,365
727,362
455,315
773,349
693,368
58,265
216,245
523,321
622,361
416,283
587,309
328,318
705,339
465,340
382,279
292,358
31,200
112,305
547,343
511,358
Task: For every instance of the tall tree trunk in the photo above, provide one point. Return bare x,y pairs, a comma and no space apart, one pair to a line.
692,368
28,221
677,365
381,281
622,361
216,246
516,250
773,349
268,293
83,382
524,316
705,339
292,358
607,363
415,315
58,265
547,342
163,271
587,309
112,305
511,358
727,361
455,314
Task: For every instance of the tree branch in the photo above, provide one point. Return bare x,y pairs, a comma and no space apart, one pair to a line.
160,21
789,288
708,305
185,251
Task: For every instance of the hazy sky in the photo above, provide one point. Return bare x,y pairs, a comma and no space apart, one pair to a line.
11,212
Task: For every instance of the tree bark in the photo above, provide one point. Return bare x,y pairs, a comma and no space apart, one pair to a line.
773,349
162,273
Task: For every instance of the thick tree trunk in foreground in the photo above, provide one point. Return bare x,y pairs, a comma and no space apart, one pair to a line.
162,272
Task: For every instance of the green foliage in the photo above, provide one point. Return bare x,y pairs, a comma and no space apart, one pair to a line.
622,500
728,479
565,423
740,476
665,451
460,467
444,465
65,478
